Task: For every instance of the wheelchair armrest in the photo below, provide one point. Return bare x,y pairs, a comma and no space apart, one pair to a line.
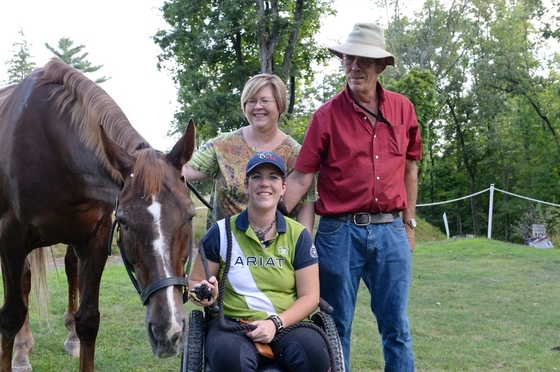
324,306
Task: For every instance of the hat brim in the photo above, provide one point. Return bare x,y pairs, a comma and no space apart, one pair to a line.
252,168
360,50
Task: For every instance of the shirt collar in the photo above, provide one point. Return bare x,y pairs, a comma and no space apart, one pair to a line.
242,222
348,96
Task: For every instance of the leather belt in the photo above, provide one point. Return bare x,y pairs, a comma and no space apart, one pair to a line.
364,218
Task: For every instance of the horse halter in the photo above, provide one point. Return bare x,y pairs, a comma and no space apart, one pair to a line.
156,285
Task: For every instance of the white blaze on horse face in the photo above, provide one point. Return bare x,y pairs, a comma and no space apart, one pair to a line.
160,251
159,241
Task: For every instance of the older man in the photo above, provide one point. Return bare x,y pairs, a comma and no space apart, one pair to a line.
364,143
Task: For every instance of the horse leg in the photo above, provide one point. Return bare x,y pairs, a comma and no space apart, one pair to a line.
14,311
92,257
72,343
24,341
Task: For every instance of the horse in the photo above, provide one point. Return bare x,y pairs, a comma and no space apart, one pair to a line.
73,169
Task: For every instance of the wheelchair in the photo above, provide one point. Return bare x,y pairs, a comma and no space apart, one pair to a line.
193,358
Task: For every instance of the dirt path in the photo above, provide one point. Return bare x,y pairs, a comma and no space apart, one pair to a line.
58,262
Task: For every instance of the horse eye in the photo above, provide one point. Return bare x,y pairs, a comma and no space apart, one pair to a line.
123,224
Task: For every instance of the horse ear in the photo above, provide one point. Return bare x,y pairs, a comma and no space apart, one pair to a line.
184,148
116,155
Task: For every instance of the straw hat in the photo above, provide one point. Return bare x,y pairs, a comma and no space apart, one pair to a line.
365,40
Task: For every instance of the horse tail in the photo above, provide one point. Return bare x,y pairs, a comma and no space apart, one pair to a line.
39,295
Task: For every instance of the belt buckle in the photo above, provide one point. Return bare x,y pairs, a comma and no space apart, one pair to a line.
361,214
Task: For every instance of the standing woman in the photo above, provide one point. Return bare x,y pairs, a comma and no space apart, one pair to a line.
273,280
223,158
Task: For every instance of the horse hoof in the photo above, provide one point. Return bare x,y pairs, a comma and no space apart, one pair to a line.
72,348
22,368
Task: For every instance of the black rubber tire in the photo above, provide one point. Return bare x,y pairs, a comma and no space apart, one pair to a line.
326,322
184,358
193,351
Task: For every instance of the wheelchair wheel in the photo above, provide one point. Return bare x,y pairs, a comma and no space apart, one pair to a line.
326,322
193,351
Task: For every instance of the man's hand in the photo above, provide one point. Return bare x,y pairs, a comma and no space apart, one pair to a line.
410,236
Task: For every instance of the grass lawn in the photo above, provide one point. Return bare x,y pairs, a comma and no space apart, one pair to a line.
475,305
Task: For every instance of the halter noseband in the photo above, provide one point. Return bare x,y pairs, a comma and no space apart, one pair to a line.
158,284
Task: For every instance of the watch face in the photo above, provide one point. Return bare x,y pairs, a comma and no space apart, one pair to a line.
412,223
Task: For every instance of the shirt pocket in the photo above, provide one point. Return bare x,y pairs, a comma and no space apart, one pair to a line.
397,142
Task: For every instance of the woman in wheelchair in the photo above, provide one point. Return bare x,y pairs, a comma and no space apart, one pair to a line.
272,281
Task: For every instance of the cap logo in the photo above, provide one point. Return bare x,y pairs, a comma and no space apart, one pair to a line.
267,155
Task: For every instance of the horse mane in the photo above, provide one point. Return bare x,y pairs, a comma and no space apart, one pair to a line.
149,170
92,108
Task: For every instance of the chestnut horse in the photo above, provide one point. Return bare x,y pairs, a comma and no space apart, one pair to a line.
70,158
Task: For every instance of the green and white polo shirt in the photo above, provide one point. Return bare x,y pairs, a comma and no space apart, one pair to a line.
261,281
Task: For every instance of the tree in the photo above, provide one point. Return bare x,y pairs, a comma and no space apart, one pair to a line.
69,54
496,121
213,48
20,64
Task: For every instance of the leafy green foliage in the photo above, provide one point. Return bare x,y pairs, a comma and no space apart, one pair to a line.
212,48
20,64
69,54
495,115
536,214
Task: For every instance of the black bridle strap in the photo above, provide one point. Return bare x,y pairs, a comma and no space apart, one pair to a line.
116,226
163,283
189,264
198,195
154,286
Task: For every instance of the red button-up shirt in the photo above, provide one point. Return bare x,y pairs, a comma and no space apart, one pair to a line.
361,168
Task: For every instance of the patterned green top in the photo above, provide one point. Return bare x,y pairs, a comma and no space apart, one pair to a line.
224,159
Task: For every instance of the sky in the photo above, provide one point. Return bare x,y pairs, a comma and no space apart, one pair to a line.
117,34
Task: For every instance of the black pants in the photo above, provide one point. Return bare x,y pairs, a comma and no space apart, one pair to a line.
300,350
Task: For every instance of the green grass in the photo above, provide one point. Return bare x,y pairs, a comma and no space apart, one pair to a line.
122,343
475,305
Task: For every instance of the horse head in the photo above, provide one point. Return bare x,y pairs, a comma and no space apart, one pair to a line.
154,217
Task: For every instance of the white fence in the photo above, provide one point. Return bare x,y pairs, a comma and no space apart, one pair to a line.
491,203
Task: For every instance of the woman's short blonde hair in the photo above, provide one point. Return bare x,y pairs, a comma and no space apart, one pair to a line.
257,82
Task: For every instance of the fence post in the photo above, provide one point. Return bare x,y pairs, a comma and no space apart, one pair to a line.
490,208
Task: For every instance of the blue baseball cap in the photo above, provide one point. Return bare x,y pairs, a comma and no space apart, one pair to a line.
266,157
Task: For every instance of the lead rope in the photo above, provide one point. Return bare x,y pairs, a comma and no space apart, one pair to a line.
222,284
249,326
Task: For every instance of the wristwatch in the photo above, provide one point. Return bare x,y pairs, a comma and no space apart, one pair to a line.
277,322
411,223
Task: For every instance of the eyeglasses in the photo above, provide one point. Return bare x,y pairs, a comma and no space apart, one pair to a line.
263,102
363,63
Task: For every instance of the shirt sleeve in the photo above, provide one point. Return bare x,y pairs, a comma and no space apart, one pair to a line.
306,254
211,243
414,149
205,160
309,157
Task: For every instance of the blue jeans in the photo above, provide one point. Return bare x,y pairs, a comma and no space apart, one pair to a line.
380,255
